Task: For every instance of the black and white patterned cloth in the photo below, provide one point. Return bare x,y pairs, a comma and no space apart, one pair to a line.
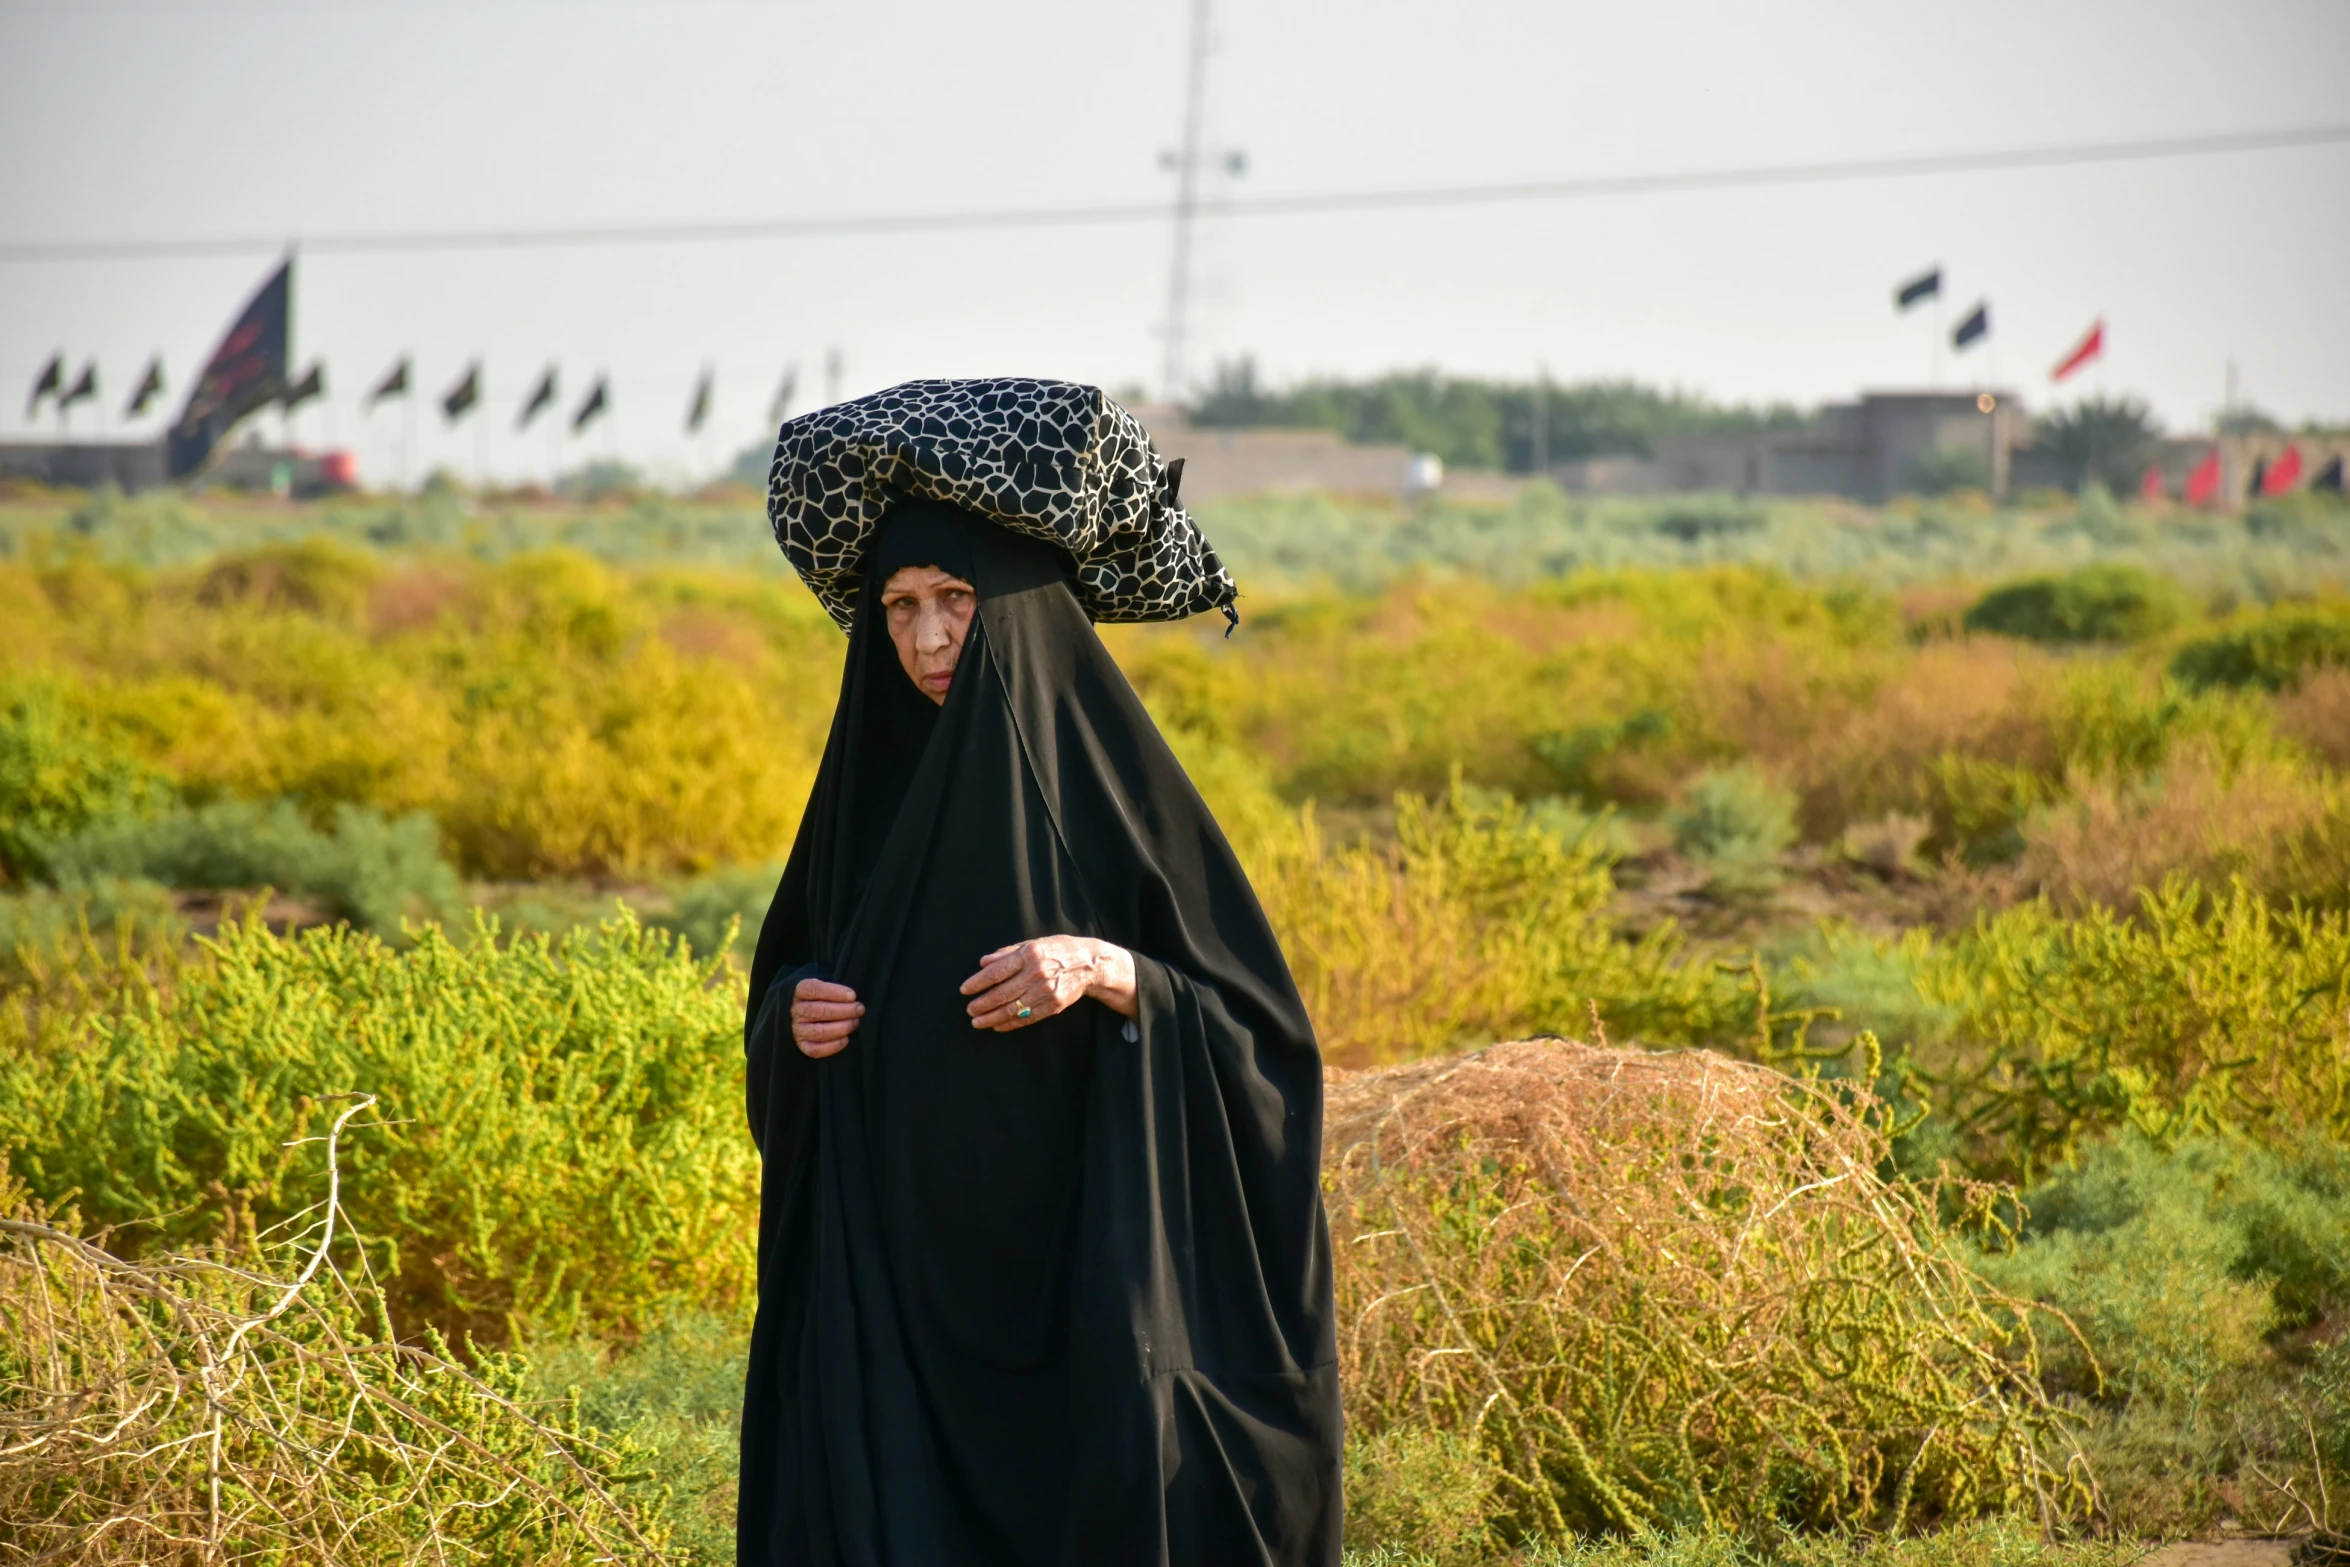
1051,459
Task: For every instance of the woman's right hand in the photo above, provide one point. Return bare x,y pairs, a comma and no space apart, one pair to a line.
823,1016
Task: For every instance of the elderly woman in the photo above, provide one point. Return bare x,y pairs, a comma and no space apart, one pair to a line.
1043,1270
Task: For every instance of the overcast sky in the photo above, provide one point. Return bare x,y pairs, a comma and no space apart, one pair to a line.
156,119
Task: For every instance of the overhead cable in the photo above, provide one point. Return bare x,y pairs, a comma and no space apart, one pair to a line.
1306,203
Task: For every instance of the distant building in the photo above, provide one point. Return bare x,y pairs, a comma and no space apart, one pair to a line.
84,465
1219,462
1870,450
140,465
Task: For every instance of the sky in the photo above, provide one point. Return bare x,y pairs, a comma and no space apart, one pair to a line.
193,119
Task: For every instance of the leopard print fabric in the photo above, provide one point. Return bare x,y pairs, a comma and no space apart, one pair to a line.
1051,459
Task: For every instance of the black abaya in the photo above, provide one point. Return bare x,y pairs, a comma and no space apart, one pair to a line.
1060,1295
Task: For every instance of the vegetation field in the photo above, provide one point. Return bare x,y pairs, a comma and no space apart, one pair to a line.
1952,901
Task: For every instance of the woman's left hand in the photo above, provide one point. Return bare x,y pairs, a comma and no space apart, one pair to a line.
1030,981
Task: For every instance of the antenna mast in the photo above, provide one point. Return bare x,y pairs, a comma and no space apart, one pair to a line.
1187,172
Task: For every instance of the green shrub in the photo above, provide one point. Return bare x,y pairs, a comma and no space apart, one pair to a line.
2270,651
561,1142
317,575
2133,1247
1736,823
2205,1013
58,777
674,1399
1947,468
1423,1493
38,923
2328,1387
2103,603
367,870
708,909
1579,754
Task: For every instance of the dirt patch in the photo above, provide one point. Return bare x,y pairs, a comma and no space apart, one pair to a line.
2222,1553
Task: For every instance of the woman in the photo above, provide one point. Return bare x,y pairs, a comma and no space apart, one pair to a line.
1044,1274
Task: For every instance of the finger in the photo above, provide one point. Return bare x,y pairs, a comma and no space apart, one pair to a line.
1005,995
996,967
1015,1022
821,1033
822,990
816,1050
826,1011
1006,1016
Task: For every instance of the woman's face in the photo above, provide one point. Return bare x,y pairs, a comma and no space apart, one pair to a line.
928,613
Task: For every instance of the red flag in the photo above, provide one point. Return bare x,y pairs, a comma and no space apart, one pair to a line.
2087,349
2150,487
2283,473
2203,482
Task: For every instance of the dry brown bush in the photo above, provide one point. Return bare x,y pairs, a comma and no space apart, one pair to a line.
1673,1291
2316,712
2276,823
1967,697
250,1407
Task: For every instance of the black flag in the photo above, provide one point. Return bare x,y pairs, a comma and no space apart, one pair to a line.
540,396
84,388
1974,326
149,388
589,409
700,407
246,372
783,395
2329,478
51,382
463,395
1926,285
312,384
394,383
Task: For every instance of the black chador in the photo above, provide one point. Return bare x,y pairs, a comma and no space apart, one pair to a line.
1061,1295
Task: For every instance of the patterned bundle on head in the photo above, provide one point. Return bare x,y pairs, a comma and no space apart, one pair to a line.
1051,459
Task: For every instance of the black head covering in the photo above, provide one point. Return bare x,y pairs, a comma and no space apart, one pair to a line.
1054,1296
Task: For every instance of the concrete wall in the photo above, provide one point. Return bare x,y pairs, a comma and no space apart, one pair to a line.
1867,450
1248,462
84,465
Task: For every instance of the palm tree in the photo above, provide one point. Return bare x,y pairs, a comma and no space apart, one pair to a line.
2106,439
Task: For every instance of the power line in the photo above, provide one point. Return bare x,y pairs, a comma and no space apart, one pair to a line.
1392,199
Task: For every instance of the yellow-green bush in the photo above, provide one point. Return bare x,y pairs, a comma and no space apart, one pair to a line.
561,1143
556,715
2204,1012
1478,922
58,776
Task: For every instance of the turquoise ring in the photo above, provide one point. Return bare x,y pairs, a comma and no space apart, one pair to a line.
1024,1011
